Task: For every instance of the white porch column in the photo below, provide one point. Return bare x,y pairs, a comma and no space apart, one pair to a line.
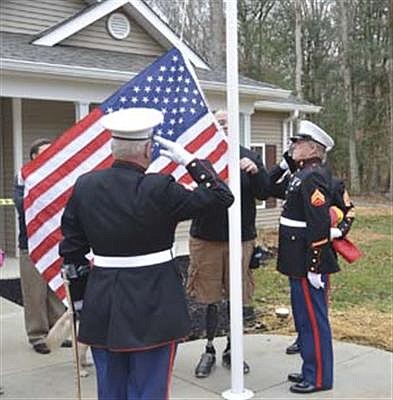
246,117
17,138
81,110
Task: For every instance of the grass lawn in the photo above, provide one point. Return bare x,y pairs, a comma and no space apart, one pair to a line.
361,293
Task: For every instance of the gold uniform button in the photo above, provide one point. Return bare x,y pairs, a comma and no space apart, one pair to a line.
208,184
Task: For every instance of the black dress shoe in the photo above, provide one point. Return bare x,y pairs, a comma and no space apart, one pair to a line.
226,362
295,377
205,365
41,348
293,348
305,387
66,343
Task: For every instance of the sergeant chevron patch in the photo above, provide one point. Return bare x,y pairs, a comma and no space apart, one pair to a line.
318,198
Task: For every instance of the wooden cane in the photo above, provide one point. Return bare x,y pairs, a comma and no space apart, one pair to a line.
74,337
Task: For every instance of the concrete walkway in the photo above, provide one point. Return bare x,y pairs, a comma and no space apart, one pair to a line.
360,372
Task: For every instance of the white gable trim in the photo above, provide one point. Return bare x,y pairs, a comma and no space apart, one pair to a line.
76,24
282,106
152,23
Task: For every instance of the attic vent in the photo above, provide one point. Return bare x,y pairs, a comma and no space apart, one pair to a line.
118,26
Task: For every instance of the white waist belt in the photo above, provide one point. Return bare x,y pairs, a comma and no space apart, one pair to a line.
134,261
292,223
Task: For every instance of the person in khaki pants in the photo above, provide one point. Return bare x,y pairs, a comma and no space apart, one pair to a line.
42,308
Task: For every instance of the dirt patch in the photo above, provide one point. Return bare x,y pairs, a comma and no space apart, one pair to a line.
363,326
355,325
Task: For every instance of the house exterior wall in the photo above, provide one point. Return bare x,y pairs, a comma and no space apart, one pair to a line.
7,213
34,16
96,36
44,119
266,128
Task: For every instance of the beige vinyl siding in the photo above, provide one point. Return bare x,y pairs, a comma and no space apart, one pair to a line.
7,212
96,36
44,119
34,16
266,127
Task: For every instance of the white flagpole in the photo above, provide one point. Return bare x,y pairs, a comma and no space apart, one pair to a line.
237,391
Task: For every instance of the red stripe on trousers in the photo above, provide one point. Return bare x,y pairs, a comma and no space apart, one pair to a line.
315,330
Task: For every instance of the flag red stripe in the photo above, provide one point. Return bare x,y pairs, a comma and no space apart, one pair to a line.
67,137
224,174
56,205
64,169
50,241
48,212
53,270
60,292
193,146
201,139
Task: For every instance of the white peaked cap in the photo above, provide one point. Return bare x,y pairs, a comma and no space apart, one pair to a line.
132,123
315,133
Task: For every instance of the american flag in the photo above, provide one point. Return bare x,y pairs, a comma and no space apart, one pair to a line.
169,85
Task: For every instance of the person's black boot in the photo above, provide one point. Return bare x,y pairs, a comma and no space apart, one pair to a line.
206,363
294,348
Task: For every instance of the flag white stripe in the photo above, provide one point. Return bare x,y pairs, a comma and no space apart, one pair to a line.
68,151
202,153
56,282
48,258
44,230
66,182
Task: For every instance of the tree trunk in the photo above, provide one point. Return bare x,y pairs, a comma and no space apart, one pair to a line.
353,161
298,45
217,34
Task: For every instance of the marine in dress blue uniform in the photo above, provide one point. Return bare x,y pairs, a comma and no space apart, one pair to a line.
340,198
135,311
305,253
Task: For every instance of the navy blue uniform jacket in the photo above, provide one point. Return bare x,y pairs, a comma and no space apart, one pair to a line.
308,196
121,211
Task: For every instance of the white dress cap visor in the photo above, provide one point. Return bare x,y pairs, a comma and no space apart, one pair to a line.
315,133
132,123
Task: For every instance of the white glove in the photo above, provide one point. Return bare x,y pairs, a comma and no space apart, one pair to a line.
283,164
315,280
175,151
335,233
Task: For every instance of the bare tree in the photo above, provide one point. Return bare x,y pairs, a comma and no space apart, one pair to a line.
216,49
346,69
299,53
